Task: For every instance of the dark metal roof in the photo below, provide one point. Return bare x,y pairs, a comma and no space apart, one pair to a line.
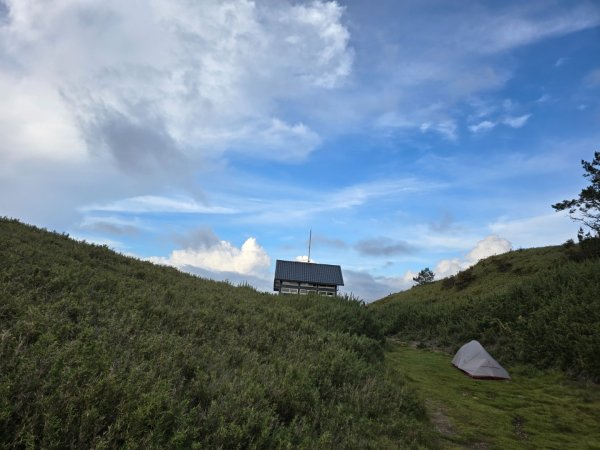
308,272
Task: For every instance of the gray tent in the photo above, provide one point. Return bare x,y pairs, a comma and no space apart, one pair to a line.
472,359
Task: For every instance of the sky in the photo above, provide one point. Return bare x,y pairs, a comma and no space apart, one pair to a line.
214,135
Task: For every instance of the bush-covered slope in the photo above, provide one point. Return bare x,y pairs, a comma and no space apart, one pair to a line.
537,306
98,350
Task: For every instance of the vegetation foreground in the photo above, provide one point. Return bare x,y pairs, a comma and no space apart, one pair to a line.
99,350
539,307
532,411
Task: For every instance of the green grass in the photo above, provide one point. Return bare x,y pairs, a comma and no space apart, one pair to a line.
536,409
98,350
536,306
495,274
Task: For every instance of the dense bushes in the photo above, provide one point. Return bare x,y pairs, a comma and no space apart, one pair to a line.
102,351
548,318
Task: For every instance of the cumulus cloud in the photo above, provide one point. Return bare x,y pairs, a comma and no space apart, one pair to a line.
36,123
448,267
172,77
125,98
137,144
491,245
221,256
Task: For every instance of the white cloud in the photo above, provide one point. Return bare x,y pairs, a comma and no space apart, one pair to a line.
155,204
421,70
371,287
448,267
250,259
446,128
297,207
206,75
491,245
270,139
485,125
505,31
511,121
35,122
516,122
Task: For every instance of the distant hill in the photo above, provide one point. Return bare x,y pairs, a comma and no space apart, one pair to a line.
538,306
99,350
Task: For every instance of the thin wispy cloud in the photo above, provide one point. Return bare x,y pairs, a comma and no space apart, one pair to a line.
315,203
516,122
544,98
485,125
158,204
560,61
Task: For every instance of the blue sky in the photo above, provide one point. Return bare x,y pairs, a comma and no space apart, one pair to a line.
213,135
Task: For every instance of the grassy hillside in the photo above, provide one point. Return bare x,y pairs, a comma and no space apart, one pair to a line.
98,350
538,306
537,409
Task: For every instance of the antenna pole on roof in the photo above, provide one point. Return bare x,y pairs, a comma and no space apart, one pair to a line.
309,242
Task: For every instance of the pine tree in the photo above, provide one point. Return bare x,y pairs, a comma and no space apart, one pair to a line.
425,276
586,208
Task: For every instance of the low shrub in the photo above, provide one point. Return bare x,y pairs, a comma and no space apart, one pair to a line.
98,350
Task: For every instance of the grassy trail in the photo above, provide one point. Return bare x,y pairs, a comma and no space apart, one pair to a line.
534,410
